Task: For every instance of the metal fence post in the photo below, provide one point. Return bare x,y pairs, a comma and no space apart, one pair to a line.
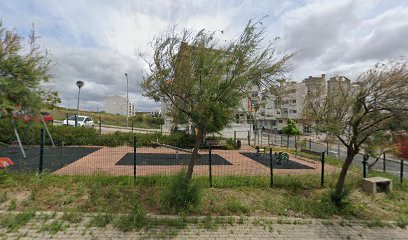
327,147
338,150
67,118
384,160
365,160
249,138
62,151
310,144
260,135
281,140
210,164
42,140
134,158
295,143
269,138
76,120
402,171
322,173
235,136
271,166
100,125
132,126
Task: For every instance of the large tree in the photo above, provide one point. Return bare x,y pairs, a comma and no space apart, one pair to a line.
356,111
204,80
23,67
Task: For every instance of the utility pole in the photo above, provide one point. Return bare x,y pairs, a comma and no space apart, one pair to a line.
127,100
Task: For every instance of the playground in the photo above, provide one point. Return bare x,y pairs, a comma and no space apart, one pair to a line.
84,160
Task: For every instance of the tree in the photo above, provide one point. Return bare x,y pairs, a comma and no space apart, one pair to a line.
204,80
354,112
291,129
22,69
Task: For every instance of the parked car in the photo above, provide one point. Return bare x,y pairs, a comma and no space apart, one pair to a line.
82,121
48,118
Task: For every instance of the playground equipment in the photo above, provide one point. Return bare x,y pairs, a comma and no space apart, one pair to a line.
5,162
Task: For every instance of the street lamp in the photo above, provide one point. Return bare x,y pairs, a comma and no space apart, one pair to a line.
127,100
79,84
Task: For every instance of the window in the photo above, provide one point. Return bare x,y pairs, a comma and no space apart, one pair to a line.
280,121
307,129
294,101
277,111
285,111
273,123
293,111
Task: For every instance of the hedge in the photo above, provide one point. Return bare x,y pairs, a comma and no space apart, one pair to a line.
30,135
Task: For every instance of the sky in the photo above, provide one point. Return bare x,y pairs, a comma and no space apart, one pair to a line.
97,41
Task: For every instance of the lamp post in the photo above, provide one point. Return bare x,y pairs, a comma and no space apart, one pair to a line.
80,84
127,100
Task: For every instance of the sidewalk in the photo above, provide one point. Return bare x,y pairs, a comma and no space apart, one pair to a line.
241,228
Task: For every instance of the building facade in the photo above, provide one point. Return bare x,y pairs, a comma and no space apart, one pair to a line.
117,105
270,110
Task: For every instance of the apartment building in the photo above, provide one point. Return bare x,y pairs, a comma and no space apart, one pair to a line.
117,105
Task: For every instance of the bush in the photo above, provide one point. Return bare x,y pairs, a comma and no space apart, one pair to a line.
340,200
181,195
30,135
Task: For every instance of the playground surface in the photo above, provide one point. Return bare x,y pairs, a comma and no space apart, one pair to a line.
84,160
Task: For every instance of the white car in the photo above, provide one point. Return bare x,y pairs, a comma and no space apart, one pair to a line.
83,121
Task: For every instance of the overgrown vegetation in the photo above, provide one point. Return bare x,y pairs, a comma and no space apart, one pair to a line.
292,196
181,195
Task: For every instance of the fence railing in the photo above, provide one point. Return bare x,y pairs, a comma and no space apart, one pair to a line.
336,150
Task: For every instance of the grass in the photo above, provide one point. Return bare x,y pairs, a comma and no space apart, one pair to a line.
13,222
292,196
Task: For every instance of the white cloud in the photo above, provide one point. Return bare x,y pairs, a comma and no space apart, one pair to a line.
98,40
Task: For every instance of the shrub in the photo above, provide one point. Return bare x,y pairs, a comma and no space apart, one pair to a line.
340,200
181,195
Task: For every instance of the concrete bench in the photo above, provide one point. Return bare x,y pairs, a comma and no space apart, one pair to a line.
375,185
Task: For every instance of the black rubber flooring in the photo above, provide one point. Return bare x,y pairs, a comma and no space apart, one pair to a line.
264,160
54,158
170,159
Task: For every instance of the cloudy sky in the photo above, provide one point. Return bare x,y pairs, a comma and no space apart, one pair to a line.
97,41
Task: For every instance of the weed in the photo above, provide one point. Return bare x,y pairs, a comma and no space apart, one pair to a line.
375,223
327,223
13,205
209,223
54,227
402,222
340,199
235,206
230,221
72,217
135,220
14,222
181,195
3,197
241,220
101,220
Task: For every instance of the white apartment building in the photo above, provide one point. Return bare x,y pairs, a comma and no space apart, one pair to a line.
271,113
117,105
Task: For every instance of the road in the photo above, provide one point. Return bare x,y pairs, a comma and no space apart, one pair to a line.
392,165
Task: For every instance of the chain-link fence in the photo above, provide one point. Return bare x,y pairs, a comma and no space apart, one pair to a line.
132,157
385,162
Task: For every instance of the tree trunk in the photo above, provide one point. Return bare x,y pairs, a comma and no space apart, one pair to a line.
194,156
340,182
